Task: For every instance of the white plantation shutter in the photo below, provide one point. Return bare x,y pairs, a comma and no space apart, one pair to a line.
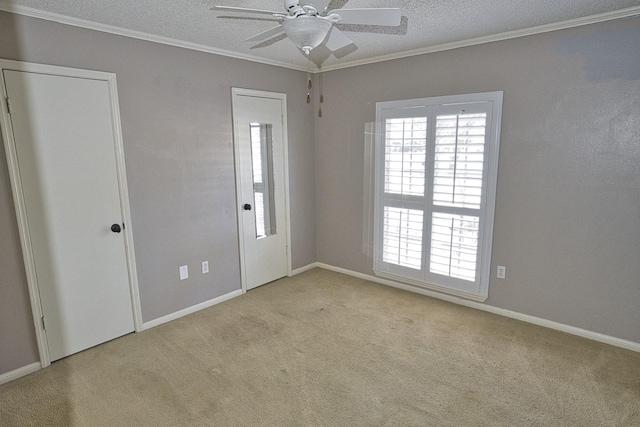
404,189
458,166
459,158
405,155
454,245
403,237
436,174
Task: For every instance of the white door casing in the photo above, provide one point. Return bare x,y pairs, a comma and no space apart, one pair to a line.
260,148
64,149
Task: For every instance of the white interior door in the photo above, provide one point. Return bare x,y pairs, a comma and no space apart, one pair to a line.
64,137
260,148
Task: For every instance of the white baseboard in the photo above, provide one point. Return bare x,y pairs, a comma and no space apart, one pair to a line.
20,372
26,370
607,339
178,314
595,336
305,268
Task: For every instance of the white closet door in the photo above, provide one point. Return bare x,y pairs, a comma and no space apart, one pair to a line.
65,144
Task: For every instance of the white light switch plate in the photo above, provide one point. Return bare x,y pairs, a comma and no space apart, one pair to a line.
502,272
184,272
205,267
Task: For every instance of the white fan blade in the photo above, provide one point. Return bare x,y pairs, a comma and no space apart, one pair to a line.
244,10
383,16
337,40
266,34
320,5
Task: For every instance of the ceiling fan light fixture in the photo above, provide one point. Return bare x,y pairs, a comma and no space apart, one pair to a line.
307,32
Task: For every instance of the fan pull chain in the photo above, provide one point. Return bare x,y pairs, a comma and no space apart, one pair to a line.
321,100
308,79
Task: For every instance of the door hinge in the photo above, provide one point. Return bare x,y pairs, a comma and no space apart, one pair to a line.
8,105
44,325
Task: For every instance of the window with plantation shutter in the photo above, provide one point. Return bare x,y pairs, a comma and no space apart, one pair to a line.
436,170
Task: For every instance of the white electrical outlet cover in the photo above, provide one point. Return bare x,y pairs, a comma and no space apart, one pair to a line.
205,267
184,272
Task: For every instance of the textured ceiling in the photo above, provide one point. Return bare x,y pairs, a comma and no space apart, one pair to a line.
426,25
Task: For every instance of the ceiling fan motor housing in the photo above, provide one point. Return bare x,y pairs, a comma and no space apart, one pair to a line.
293,7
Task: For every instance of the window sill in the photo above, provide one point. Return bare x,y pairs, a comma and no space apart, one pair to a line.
430,286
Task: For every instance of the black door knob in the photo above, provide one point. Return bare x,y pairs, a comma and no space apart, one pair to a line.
116,228
247,207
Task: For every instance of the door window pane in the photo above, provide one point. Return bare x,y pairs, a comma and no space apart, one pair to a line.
262,166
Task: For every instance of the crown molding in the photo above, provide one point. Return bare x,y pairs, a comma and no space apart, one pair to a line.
572,23
82,23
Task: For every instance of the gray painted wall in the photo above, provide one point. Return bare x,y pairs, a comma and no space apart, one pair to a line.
568,209
175,108
17,338
567,222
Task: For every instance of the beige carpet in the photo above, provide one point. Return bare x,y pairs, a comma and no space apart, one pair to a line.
324,349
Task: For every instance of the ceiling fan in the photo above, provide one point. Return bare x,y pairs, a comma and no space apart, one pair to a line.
310,23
